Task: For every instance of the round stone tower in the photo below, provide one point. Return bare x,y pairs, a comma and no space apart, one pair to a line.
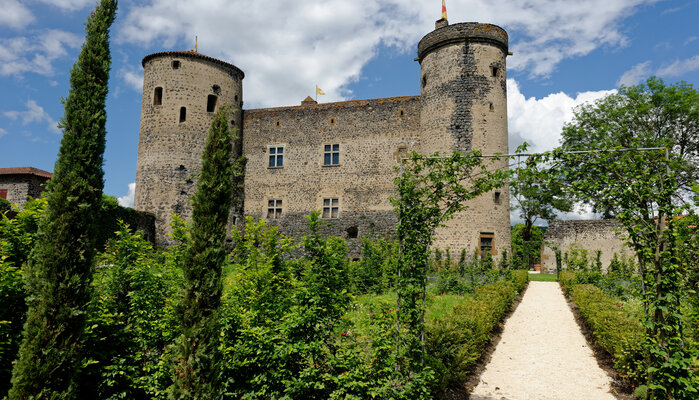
181,92
464,107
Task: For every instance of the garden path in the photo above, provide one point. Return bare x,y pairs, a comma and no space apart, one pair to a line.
542,355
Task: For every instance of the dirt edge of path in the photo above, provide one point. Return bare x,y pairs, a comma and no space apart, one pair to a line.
464,393
621,388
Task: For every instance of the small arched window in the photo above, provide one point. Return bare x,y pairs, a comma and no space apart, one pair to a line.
183,114
211,103
158,96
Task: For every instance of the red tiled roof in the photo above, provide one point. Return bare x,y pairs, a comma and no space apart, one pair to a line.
25,171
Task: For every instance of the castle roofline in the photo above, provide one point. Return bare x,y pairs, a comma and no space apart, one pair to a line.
25,171
458,33
338,104
192,54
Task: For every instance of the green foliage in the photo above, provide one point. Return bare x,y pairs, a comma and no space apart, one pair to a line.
17,237
111,213
576,259
132,320
621,335
430,190
456,342
375,272
59,273
526,252
5,206
198,361
644,191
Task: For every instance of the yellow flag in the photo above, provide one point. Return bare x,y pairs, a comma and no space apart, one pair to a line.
319,90
444,10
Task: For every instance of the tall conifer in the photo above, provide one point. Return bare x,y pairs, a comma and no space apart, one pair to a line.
59,273
197,368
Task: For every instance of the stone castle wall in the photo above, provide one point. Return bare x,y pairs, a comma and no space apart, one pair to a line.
605,235
462,106
169,150
372,136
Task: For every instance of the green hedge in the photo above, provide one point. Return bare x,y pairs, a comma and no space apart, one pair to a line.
455,343
620,334
567,280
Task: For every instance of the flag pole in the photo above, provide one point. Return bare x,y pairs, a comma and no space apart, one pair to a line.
316,93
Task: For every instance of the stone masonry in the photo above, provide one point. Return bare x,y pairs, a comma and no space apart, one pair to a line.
18,184
605,235
338,158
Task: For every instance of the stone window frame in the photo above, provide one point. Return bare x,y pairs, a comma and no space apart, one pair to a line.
331,155
331,208
486,240
274,208
275,157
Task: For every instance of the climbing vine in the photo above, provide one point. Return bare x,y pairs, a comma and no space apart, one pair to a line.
430,191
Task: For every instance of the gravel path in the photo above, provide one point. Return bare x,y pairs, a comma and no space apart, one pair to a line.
542,355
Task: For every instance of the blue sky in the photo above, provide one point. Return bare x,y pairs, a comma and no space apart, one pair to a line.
565,53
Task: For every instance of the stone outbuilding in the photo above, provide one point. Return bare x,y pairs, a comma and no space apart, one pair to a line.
18,184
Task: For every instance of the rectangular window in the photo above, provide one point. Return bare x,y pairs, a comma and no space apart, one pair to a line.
331,155
486,243
274,209
276,157
3,194
331,208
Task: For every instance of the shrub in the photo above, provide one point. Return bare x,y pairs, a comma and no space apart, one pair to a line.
455,342
567,280
620,334
375,272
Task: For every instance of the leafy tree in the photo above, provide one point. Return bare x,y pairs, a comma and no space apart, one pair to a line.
430,190
647,115
646,192
198,361
537,193
59,273
526,252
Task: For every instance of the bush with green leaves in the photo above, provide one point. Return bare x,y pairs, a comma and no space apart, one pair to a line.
456,342
132,320
623,336
375,272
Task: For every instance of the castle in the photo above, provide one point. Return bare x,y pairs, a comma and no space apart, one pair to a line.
337,158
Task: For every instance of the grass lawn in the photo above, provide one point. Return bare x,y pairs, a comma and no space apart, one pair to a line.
542,277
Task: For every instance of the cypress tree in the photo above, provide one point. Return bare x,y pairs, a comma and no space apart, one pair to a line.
197,367
59,272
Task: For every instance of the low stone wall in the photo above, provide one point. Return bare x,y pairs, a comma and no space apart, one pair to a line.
605,235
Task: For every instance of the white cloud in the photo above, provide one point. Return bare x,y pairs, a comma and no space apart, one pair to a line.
680,67
14,14
286,47
2,132
34,114
69,5
637,73
127,201
539,121
36,54
133,78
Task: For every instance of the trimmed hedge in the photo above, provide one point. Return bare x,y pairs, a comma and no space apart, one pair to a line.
455,343
620,334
